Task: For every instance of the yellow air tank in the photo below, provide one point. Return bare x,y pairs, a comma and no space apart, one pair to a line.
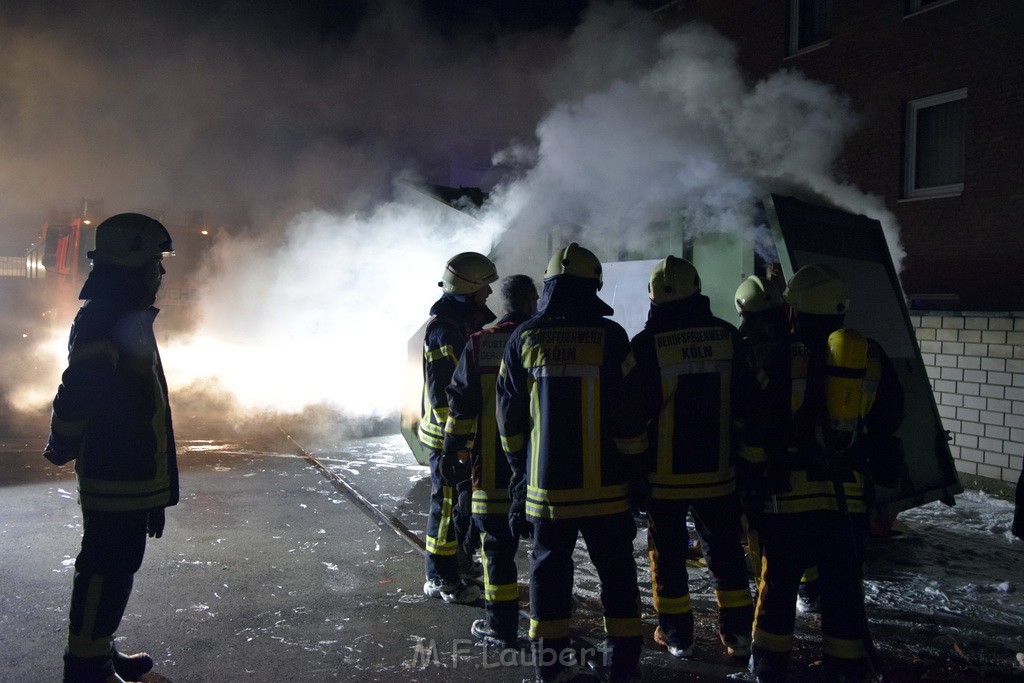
845,370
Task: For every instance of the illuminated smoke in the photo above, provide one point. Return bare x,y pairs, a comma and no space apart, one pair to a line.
326,315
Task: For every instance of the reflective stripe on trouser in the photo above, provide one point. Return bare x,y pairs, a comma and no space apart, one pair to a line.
442,542
501,589
113,544
789,544
609,542
717,521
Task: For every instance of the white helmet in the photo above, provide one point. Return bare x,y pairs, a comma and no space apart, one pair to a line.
673,279
817,289
576,261
756,294
467,272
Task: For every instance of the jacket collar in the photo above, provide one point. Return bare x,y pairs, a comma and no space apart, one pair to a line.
567,296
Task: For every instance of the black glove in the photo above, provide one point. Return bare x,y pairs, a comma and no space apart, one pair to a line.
155,523
517,522
639,493
453,470
58,453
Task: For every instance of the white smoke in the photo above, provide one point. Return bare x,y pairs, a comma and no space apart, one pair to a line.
683,135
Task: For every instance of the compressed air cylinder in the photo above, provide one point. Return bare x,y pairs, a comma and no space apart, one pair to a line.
845,370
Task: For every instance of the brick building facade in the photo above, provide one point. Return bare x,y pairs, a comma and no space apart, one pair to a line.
939,89
899,62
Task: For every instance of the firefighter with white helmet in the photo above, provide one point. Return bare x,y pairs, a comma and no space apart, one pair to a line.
564,420
461,311
764,321
824,429
692,380
111,416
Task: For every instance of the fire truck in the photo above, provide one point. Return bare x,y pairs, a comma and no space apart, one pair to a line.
57,264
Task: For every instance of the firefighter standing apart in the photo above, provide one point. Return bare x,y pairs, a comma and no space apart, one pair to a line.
459,312
693,380
563,416
111,416
472,446
832,405
764,323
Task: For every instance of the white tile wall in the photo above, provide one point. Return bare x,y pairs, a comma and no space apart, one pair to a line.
975,362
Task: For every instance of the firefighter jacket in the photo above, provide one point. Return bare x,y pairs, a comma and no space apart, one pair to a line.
111,412
471,407
787,441
692,378
454,318
563,414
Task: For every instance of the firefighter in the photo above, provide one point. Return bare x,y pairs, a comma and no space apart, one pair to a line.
693,379
833,402
460,311
111,416
472,447
764,322
565,425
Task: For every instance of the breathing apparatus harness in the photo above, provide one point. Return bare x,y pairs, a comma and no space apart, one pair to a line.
838,429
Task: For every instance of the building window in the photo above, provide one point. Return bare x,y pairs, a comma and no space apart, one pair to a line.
810,23
914,6
935,145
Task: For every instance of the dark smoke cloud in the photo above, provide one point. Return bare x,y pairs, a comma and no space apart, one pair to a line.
250,111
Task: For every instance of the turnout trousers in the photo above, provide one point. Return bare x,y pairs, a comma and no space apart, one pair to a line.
501,589
447,523
790,542
113,544
609,540
717,522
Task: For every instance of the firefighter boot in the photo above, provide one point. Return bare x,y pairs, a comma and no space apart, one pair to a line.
132,667
676,650
89,670
737,645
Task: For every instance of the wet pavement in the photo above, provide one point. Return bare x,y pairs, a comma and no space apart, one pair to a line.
271,570
265,573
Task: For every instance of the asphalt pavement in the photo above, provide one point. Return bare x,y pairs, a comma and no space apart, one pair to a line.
266,572
282,564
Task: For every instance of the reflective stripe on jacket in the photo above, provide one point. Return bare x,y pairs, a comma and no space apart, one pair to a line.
692,379
454,318
791,425
471,417
563,412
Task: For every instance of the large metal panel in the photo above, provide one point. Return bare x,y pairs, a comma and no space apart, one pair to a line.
723,262
855,246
